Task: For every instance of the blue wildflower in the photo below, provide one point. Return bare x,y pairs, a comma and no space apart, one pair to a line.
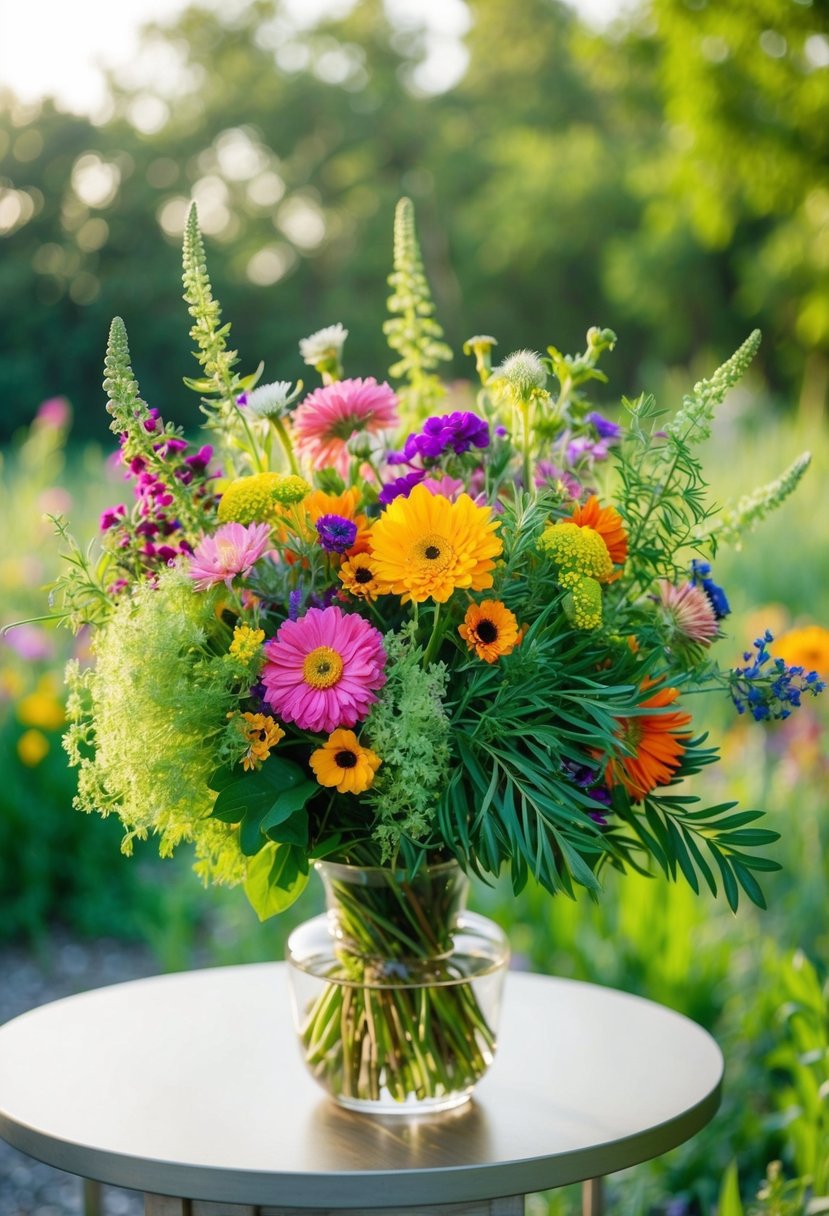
766,687
604,426
700,574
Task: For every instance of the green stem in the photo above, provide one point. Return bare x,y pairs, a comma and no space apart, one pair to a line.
526,436
434,640
287,446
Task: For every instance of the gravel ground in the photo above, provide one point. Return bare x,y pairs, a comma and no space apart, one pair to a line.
61,967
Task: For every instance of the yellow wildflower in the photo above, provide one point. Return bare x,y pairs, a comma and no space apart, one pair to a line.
246,642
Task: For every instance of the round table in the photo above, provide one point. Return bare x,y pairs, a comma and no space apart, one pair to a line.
192,1085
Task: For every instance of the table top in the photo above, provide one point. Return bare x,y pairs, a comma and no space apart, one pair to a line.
192,1084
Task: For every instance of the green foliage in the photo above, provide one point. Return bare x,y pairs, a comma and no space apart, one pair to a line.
409,728
412,330
156,779
267,804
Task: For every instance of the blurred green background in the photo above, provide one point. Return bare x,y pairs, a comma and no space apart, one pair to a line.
666,175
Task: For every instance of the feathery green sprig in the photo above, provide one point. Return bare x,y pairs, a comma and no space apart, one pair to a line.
663,499
124,403
692,424
412,330
736,519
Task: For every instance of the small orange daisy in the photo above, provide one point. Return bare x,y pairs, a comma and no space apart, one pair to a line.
657,742
608,523
357,576
490,629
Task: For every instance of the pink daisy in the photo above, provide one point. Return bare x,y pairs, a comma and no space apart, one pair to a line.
232,549
688,611
322,670
330,415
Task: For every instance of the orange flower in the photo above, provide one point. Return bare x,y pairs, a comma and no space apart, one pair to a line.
490,629
657,744
608,523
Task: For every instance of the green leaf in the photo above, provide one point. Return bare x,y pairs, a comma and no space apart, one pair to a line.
275,878
199,385
254,792
730,1203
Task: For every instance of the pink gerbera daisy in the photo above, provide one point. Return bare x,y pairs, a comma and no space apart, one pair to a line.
232,549
688,612
329,417
322,670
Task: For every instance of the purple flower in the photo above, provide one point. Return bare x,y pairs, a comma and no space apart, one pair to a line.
30,642
172,444
294,603
201,460
548,474
459,431
336,533
401,486
112,517
584,448
605,428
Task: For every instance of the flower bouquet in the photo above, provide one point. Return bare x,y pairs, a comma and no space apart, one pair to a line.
405,634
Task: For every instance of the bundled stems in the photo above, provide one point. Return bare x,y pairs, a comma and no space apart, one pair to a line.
397,1016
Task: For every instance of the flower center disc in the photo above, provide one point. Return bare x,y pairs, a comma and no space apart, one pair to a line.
487,631
322,667
434,552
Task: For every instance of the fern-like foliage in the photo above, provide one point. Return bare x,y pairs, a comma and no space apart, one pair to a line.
663,497
412,330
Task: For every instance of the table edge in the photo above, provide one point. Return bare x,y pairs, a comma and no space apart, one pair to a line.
333,1190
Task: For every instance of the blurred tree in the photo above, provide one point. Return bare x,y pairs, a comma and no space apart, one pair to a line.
737,179
645,177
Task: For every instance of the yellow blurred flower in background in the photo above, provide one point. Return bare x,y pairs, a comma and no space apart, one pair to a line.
32,747
807,647
42,708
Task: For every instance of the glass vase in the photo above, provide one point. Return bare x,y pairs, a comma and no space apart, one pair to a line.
396,989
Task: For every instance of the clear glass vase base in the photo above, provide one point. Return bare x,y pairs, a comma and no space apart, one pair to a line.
410,1108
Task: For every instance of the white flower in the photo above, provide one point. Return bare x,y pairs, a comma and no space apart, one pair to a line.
271,400
523,371
326,345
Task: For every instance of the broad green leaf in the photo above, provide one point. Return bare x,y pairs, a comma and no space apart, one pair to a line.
275,878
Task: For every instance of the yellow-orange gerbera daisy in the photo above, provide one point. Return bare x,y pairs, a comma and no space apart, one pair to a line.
343,764
425,547
357,576
657,742
319,503
490,629
608,523
807,647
